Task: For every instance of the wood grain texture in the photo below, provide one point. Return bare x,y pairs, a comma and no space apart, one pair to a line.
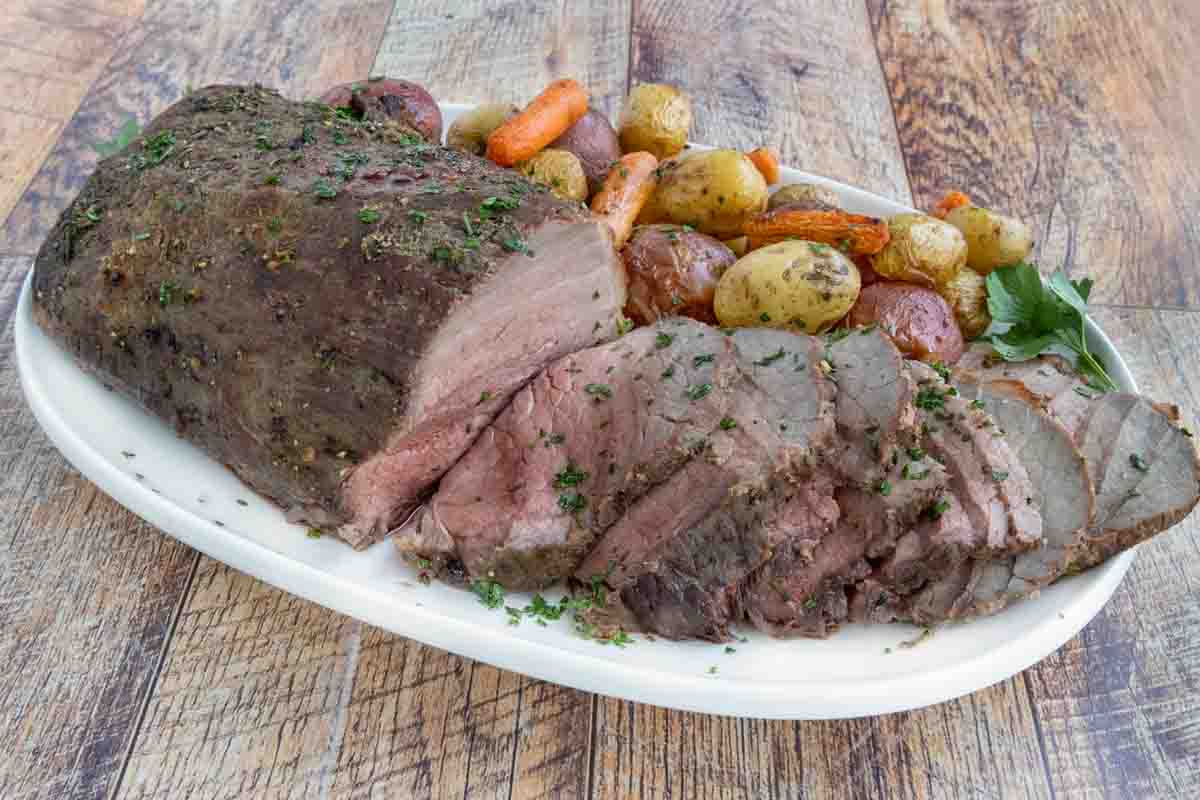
87,596
182,43
1078,116
477,51
799,76
50,52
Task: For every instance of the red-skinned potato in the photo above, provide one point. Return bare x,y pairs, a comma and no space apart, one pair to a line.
919,321
403,101
594,142
673,271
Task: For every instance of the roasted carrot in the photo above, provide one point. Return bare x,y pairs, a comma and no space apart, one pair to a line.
951,201
767,163
558,107
853,234
626,189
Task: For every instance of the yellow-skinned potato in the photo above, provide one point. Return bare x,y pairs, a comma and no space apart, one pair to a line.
993,240
472,128
559,170
715,191
807,196
794,285
967,295
655,119
921,250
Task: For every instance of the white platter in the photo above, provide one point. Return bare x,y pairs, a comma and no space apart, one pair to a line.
138,460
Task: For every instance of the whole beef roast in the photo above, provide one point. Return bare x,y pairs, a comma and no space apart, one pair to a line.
333,307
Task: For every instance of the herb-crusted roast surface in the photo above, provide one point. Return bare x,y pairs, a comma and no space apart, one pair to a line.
332,307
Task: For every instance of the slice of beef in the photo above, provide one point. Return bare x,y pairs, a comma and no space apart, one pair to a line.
334,308
1050,380
1145,470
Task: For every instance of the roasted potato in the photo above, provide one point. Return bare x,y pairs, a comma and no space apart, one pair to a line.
799,286
993,240
594,142
806,196
673,271
967,296
403,101
655,119
715,191
471,129
740,245
919,320
921,250
559,170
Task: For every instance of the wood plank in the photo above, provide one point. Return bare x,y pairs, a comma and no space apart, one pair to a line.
799,76
87,596
1118,704
380,715
478,51
50,53
1077,116
173,47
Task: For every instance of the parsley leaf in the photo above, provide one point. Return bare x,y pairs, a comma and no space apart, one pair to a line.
1031,316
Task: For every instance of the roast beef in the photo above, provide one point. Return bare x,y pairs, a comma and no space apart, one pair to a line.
332,307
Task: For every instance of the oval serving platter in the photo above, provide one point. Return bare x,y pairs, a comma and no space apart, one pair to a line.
862,670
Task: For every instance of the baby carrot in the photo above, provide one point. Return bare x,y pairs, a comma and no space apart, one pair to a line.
951,201
626,189
767,163
558,107
854,234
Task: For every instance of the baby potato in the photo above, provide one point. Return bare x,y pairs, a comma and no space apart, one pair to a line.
472,128
806,196
993,240
594,142
793,285
559,170
918,320
715,191
655,119
921,250
673,272
967,296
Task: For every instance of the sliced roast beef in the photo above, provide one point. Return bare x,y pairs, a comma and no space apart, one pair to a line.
1145,470
1050,380
334,308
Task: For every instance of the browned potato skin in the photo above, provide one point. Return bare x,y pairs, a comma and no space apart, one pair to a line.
919,321
967,295
673,271
805,196
403,101
594,142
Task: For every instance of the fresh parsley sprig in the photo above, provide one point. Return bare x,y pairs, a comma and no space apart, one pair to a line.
1031,316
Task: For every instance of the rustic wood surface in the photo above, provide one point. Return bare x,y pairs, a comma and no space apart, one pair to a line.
135,668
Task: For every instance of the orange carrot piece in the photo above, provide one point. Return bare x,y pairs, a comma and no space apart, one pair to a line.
628,186
767,163
558,107
853,234
951,201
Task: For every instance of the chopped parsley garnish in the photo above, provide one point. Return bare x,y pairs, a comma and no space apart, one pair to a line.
572,502
916,453
712,670
910,472
930,399
515,245
92,214
155,150
368,216
127,133
1138,463
884,488
314,533
1082,392
418,216
168,293
698,391
499,204
669,371
728,423
467,224
271,180
624,324
837,335
570,476
942,370
978,404
999,475
937,509
663,341
601,391
810,603
706,358
730,650
767,361
484,397
555,438
489,592
764,317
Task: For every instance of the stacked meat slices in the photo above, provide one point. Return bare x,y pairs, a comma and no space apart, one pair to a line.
799,483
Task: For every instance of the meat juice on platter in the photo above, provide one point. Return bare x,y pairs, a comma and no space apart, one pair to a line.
385,336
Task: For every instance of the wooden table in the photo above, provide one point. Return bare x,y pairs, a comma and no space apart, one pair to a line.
132,667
